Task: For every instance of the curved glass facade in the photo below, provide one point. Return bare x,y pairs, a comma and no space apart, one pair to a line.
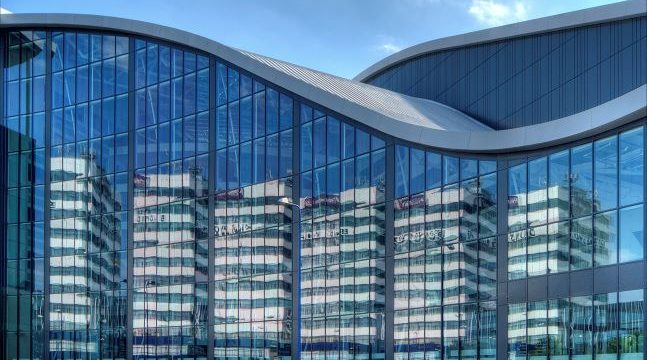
141,219
531,79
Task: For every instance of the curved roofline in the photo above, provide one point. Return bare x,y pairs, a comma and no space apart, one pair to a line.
372,107
599,14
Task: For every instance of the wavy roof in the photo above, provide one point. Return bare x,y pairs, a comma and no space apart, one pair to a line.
408,118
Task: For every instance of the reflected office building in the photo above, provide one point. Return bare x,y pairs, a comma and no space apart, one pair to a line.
164,196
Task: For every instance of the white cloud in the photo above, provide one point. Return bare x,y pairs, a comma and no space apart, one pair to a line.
389,48
493,13
387,45
4,11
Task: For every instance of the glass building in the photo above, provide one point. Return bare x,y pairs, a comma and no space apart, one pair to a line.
474,197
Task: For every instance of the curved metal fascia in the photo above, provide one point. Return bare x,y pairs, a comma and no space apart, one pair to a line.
595,15
616,112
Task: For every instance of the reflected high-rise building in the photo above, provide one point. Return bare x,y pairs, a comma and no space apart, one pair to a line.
164,196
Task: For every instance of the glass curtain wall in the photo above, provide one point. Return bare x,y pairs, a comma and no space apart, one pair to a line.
605,326
343,238
24,122
253,239
170,222
445,256
88,185
577,208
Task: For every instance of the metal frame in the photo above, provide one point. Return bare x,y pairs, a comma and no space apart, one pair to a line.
3,199
296,229
211,186
46,217
131,193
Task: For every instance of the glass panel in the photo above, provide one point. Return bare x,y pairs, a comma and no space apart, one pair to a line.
606,174
537,330
537,251
401,171
581,243
558,186
517,188
558,325
517,329
631,166
631,233
606,238
581,321
631,334
433,170
417,165
581,180
605,338
537,191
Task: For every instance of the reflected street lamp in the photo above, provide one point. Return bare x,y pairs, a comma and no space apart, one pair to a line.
297,282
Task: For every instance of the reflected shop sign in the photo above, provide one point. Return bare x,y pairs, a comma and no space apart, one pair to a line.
575,236
414,201
323,200
432,235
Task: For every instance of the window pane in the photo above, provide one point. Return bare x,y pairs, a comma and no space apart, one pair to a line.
606,174
417,171
581,180
581,243
333,137
517,331
401,171
631,233
486,201
433,170
558,323
582,334
606,238
631,167
319,142
537,251
450,169
558,186
631,334
469,168
538,330
537,194
348,141
605,339
517,198
558,247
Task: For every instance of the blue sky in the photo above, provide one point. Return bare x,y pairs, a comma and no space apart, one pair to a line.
341,37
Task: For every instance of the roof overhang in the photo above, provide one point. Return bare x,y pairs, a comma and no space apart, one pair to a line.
600,14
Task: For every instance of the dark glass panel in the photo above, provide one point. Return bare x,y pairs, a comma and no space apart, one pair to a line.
319,142
333,140
605,194
401,171
581,180
433,170
631,166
